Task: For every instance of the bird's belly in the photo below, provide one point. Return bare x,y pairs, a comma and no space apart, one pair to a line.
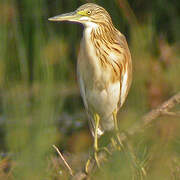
103,101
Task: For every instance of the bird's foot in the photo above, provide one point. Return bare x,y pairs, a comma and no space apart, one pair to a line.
86,169
117,143
96,158
89,164
119,140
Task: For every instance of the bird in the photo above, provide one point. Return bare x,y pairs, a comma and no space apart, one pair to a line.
104,68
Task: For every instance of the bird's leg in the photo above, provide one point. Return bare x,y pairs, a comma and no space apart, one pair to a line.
96,119
117,128
96,149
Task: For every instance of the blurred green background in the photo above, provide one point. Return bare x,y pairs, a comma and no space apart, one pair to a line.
40,104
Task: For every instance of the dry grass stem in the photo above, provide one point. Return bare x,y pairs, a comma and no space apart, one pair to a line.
65,162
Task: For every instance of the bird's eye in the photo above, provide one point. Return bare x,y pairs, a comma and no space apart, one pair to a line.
88,12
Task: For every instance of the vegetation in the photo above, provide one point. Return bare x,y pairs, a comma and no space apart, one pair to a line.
40,104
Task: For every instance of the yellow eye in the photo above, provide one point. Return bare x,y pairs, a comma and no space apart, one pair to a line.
89,12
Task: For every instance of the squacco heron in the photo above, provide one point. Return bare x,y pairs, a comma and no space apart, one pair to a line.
104,67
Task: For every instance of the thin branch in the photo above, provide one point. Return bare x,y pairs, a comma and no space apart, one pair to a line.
152,115
168,113
65,162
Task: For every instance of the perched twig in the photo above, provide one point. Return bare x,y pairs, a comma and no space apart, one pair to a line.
155,113
163,109
176,114
65,162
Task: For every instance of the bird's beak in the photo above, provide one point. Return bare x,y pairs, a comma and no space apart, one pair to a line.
72,16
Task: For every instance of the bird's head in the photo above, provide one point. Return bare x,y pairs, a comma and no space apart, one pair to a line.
90,15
